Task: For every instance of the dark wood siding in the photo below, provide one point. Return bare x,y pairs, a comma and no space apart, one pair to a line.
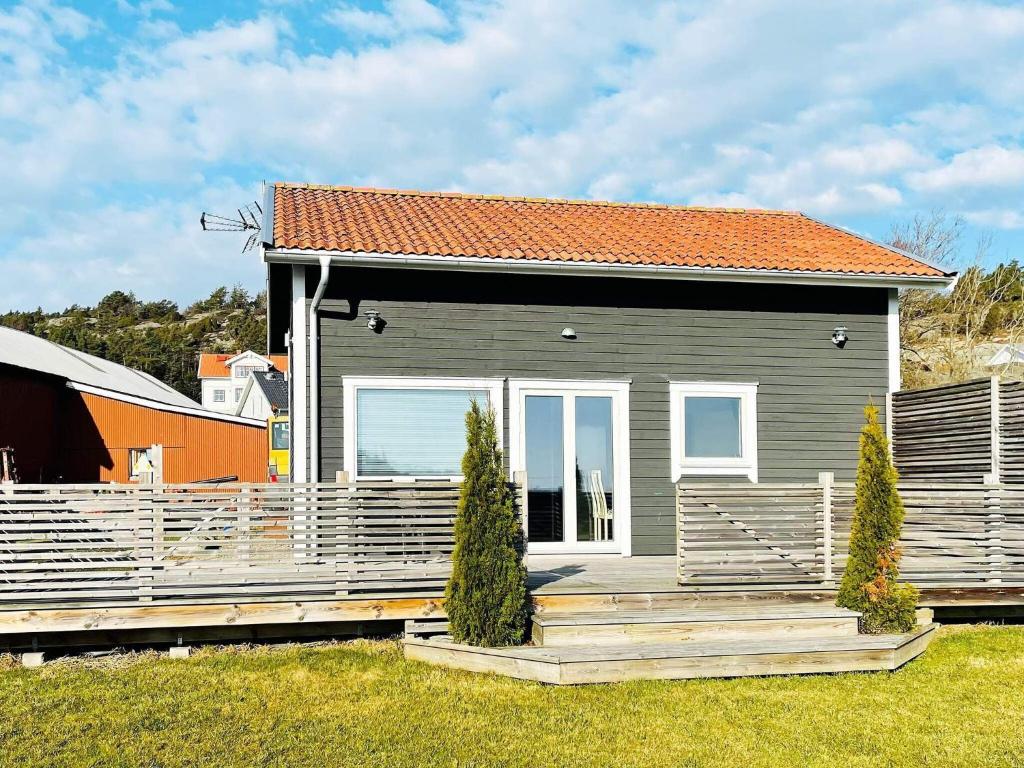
810,397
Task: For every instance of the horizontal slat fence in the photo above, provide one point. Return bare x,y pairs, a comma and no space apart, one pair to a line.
751,533
945,433
1011,432
173,544
954,534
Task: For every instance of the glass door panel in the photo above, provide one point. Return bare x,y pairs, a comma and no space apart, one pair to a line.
594,462
572,441
545,468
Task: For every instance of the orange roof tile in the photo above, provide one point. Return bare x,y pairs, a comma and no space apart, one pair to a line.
531,229
212,366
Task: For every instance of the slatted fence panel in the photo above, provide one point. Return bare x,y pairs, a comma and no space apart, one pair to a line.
747,533
944,433
1011,432
954,534
74,545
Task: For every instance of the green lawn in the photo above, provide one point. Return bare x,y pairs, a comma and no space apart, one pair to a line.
360,704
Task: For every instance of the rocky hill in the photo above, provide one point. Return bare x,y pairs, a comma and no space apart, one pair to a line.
157,337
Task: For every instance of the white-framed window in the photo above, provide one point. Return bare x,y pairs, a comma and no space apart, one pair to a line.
139,461
238,393
713,429
218,395
243,371
411,427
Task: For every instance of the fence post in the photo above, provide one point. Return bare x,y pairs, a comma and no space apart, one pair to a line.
680,545
995,439
994,519
827,481
342,533
146,543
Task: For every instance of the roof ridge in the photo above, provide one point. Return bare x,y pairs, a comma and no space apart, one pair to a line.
535,200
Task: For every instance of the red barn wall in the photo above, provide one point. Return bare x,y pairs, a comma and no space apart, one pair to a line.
29,406
60,435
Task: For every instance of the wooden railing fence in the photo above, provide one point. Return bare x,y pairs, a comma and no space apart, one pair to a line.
114,545
954,534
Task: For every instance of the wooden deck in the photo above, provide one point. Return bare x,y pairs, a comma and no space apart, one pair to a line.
605,582
94,559
558,584
576,665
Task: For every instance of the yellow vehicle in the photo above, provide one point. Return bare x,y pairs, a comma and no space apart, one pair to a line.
279,434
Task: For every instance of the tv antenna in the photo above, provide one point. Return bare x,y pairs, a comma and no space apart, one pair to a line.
248,221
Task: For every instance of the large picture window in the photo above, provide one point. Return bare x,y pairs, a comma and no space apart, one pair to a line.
714,429
409,427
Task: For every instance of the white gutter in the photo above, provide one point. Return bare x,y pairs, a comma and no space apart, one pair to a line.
314,371
524,266
156,405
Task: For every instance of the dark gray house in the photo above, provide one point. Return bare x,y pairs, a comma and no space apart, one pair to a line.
625,346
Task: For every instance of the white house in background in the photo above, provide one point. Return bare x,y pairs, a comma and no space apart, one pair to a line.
265,395
223,377
1008,354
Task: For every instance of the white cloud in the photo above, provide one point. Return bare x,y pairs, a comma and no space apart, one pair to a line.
155,249
874,158
840,109
1000,219
988,166
399,17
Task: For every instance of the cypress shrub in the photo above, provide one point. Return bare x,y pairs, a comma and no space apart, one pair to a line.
871,581
486,595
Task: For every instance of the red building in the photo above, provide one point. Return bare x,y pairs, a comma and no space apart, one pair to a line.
72,417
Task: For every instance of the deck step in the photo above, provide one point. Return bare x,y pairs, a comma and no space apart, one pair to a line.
574,665
425,627
693,624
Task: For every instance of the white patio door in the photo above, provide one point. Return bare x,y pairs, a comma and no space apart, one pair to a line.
572,438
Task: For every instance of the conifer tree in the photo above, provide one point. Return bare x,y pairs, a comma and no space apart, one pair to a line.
871,581
486,595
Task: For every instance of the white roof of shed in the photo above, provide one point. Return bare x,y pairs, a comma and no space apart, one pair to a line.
94,374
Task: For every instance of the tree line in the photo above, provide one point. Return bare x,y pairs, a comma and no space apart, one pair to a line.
156,337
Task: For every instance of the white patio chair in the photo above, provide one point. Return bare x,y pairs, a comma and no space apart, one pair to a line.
601,516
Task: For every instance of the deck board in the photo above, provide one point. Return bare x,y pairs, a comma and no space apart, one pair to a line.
568,665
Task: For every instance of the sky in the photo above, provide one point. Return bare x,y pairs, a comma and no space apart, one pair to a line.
122,120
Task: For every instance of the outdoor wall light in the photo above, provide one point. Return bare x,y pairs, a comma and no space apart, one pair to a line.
839,337
568,333
373,319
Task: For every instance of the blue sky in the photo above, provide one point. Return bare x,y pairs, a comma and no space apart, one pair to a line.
121,121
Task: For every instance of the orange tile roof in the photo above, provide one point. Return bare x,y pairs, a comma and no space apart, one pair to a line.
212,366
517,228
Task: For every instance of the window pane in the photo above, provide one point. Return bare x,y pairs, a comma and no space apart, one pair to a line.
412,431
280,431
595,482
712,427
545,468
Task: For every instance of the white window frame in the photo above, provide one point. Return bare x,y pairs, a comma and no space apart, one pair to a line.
351,384
220,396
243,369
745,465
619,391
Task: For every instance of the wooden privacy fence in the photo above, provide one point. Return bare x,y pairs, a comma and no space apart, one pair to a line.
968,432
955,534
115,545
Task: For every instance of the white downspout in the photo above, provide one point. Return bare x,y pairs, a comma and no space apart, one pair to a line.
314,371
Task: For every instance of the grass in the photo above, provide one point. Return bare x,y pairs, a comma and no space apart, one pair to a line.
361,704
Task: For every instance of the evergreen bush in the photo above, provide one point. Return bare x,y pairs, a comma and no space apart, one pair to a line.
486,595
871,581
